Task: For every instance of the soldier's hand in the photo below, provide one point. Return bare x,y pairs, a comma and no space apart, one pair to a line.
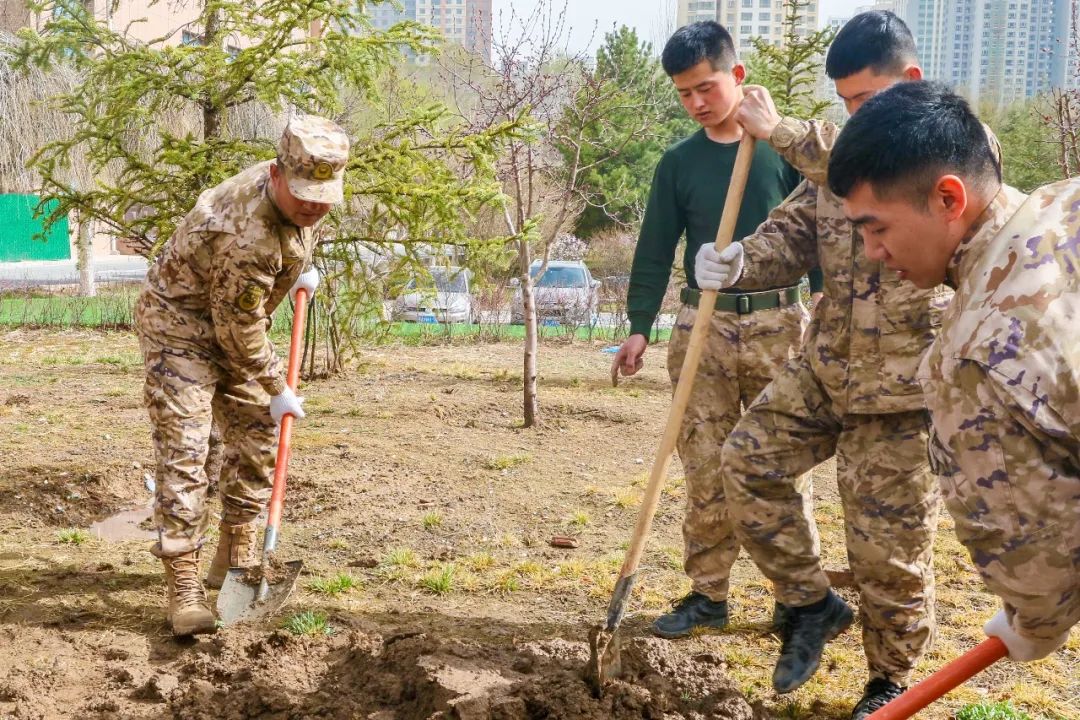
718,270
628,359
308,280
1021,648
757,113
287,403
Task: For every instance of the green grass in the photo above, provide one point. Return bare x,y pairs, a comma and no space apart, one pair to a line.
110,309
992,711
340,583
440,580
505,462
114,309
72,536
308,622
580,518
401,558
431,520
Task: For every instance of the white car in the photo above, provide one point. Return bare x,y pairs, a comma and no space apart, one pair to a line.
444,297
565,293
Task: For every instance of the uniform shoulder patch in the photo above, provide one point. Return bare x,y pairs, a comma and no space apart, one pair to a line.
251,296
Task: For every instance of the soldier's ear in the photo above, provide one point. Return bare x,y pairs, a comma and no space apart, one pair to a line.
949,197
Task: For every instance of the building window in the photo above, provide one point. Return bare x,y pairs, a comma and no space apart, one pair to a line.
190,38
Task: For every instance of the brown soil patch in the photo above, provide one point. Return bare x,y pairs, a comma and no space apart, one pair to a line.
425,518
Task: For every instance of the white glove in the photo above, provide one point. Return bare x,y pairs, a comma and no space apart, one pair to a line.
309,280
1021,649
287,403
718,270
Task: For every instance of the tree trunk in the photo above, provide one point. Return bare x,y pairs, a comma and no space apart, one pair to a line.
211,112
528,301
84,248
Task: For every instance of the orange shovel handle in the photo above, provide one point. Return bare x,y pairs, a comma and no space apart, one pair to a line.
956,673
281,467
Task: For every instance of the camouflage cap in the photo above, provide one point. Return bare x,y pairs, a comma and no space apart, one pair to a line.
312,153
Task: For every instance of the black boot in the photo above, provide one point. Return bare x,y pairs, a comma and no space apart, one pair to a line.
694,610
779,616
879,693
807,630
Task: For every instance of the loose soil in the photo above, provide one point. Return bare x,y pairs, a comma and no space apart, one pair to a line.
412,480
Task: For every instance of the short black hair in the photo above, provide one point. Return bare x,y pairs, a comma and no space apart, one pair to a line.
905,138
876,39
705,40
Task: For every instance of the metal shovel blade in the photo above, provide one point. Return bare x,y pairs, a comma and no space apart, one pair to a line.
605,659
240,598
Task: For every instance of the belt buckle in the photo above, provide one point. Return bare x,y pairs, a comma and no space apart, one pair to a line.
742,305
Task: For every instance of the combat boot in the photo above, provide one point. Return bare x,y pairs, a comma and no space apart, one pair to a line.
879,693
694,610
236,548
804,635
189,612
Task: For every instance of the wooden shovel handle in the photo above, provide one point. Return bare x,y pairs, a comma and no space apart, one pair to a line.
706,305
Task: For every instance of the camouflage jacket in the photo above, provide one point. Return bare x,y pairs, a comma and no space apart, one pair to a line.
870,329
1002,384
218,279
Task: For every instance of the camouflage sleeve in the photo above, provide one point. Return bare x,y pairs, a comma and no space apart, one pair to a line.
242,279
784,247
806,145
1011,490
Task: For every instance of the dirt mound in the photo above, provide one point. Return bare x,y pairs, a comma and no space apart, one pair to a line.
415,676
65,496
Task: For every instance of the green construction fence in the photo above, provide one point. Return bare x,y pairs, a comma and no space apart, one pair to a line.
20,231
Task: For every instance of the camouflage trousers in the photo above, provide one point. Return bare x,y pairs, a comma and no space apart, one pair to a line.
889,497
186,391
741,355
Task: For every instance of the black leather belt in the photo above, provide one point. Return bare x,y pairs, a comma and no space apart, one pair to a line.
746,303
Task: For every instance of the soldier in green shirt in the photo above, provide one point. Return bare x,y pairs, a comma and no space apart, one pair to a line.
751,333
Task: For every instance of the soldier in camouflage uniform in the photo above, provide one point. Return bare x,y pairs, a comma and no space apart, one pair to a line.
1002,379
853,392
202,319
750,334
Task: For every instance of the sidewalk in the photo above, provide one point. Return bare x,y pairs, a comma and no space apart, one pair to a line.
112,268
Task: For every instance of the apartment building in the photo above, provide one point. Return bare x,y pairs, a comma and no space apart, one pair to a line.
746,19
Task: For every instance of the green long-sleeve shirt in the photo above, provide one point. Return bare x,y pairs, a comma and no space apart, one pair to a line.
688,192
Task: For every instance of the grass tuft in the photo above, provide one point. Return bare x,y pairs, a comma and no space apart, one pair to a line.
340,583
308,622
72,536
440,580
992,711
505,462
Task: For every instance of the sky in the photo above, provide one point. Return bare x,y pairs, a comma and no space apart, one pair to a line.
588,20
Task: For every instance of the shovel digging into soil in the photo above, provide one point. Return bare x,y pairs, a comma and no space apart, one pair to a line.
257,592
604,659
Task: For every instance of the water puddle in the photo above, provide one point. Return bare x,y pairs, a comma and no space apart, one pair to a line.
131,524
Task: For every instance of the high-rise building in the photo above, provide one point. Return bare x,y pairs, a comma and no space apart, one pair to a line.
465,22
993,51
746,19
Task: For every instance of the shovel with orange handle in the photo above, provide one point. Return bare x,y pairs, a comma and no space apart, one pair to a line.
956,673
253,593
